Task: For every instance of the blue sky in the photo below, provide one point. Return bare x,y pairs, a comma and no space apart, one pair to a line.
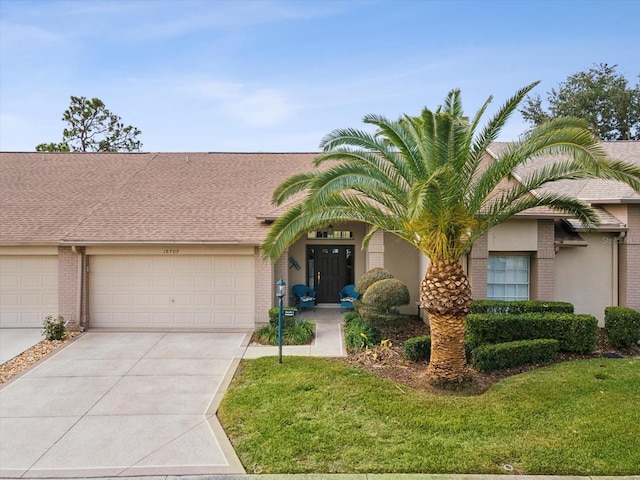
279,75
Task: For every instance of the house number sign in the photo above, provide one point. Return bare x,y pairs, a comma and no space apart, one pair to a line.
170,251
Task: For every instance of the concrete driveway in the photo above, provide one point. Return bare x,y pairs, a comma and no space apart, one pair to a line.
14,341
122,404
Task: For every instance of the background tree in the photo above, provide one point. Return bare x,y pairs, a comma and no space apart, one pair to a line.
600,96
93,128
425,180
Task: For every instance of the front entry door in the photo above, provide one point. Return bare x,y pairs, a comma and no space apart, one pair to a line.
329,268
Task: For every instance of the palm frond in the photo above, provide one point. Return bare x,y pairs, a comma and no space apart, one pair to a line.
291,186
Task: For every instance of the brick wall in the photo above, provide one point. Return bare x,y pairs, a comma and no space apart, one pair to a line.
629,261
543,263
477,269
263,288
68,286
84,315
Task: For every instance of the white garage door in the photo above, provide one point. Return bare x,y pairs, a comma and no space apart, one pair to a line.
171,291
28,290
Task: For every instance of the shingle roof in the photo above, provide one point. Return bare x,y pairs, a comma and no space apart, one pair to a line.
148,197
176,197
593,191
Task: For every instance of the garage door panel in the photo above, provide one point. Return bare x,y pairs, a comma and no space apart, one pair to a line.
8,300
142,300
182,283
203,283
223,300
123,300
142,319
50,299
28,290
167,291
162,320
140,282
182,319
162,281
243,282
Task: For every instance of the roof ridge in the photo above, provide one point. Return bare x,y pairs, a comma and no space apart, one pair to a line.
102,203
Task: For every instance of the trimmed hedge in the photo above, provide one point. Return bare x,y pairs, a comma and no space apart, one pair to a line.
517,307
359,333
622,326
369,278
576,333
287,322
417,349
505,355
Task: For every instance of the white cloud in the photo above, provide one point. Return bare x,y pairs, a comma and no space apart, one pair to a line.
262,108
256,107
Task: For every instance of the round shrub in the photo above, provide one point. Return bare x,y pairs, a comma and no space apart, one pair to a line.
386,294
369,278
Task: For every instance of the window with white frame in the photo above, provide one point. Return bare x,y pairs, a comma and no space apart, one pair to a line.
508,277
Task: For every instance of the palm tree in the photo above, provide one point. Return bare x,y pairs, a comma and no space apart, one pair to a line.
425,180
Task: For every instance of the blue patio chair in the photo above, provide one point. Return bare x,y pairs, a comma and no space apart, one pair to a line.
304,296
348,295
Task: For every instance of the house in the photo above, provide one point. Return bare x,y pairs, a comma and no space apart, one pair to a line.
171,241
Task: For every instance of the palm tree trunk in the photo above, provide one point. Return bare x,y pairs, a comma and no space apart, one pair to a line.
445,294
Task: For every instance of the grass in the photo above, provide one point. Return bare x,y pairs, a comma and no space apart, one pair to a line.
312,415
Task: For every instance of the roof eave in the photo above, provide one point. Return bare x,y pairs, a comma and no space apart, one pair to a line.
611,201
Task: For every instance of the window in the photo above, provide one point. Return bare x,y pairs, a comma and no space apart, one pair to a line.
331,234
508,278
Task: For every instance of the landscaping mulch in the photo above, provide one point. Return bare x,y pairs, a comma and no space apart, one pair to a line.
388,360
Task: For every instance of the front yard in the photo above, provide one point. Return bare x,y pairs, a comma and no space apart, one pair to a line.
318,415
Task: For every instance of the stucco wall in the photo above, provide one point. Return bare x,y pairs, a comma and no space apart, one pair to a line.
585,276
514,236
403,261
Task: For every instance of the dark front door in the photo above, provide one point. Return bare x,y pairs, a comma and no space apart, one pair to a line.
329,268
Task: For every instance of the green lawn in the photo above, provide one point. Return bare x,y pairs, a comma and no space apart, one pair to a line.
323,416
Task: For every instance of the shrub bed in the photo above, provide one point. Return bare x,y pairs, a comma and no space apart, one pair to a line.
576,333
519,307
358,332
622,326
511,354
287,321
300,332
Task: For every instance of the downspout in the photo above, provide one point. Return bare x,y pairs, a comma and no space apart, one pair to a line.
617,241
75,250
